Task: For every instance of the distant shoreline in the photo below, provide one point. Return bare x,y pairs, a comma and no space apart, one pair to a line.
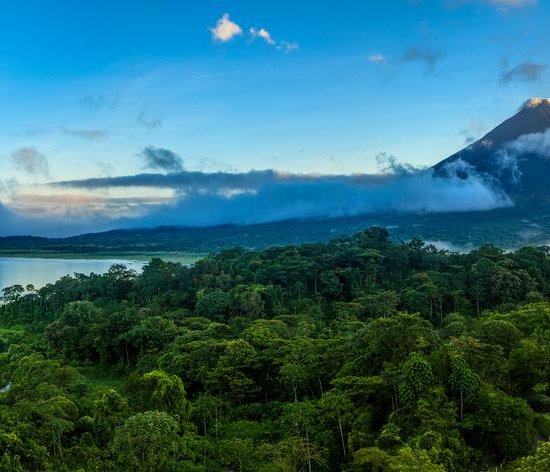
182,257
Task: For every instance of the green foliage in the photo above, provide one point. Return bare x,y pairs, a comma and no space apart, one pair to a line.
167,394
463,382
502,425
415,380
360,354
405,460
539,462
147,442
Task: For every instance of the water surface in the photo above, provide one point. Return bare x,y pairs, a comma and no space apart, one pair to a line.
39,272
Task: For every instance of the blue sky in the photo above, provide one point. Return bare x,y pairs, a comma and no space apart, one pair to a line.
294,86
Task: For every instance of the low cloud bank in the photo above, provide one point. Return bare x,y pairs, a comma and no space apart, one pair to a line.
208,199
14,224
509,157
536,143
204,199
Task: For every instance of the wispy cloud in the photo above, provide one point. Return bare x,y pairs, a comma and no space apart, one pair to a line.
91,134
266,36
508,158
207,164
105,169
502,5
8,187
161,159
507,4
388,164
472,133
100,100
225,29
33,132
263,34
288,46
527,71
536,143
29,160
148,120
428,56
377,58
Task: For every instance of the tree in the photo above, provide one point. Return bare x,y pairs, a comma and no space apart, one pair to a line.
539,462
335,405
463,381
406,460
151,333
236,454
147,442
502,426
110,410
167,394
233,372
249,300
214,304
301,419
528,364
72,333
500,332
207,408
13,293
381,303
393,339
57,415
298,366
415,380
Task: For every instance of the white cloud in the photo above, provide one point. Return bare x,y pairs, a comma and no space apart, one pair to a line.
225,29
288,47
536,143
264,34
377,58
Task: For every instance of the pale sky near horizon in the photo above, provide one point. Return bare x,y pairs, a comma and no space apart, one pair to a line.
230,86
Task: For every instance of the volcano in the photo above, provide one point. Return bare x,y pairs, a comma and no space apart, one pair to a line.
514,156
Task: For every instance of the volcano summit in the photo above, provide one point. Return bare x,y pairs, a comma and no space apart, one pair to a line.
515,155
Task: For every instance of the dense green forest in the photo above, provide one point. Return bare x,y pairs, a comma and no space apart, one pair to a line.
357,355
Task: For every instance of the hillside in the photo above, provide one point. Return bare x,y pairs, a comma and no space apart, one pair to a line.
507,228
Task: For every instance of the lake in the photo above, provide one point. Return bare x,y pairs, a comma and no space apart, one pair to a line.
39,272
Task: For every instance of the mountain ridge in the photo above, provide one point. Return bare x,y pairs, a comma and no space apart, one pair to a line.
498,157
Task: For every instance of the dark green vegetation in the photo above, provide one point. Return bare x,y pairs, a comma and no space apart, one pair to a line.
357,355
508,228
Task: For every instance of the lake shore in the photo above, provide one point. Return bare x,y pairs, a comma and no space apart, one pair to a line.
180,257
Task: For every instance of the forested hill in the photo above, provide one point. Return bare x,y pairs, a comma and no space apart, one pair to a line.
507,228
357,355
